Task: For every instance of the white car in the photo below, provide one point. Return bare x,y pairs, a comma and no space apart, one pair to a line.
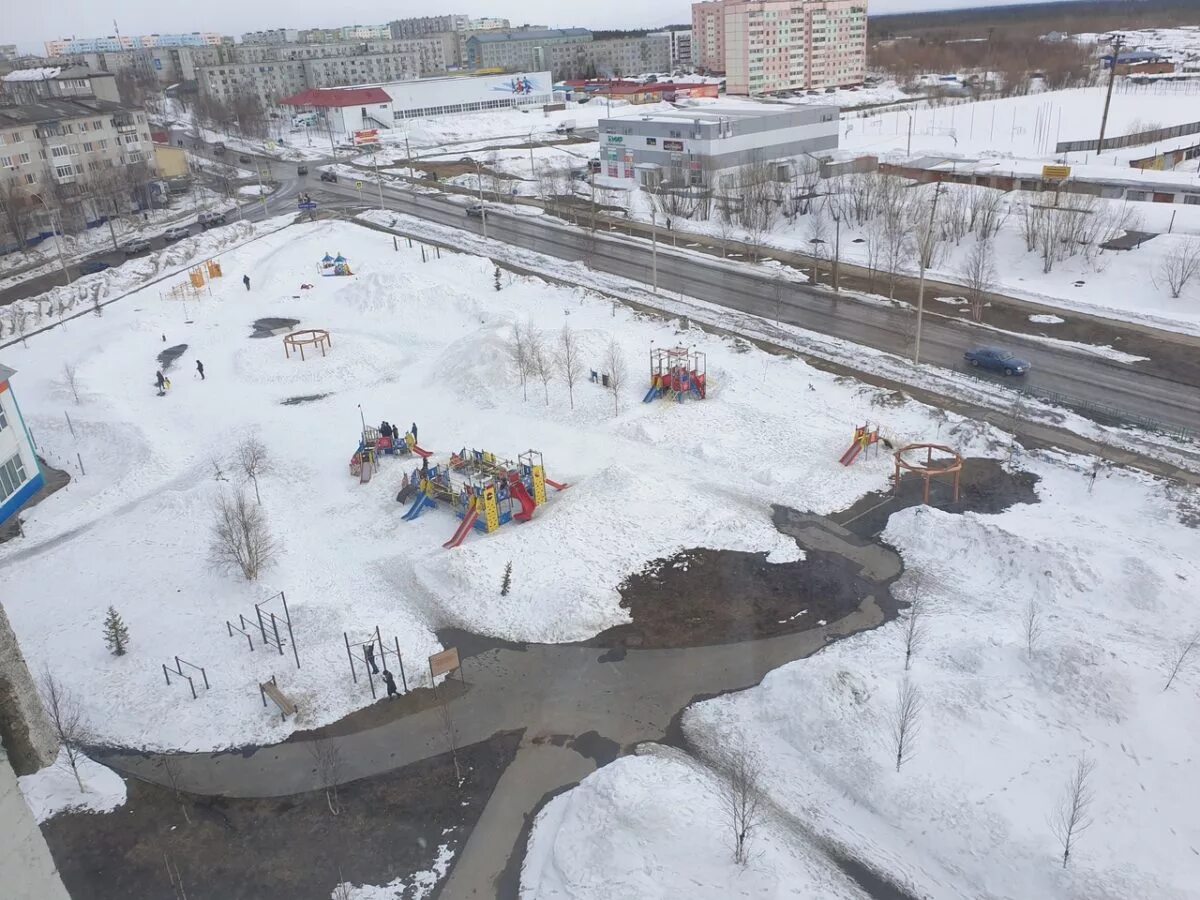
176,233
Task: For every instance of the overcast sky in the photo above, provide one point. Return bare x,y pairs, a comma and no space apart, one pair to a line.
30,23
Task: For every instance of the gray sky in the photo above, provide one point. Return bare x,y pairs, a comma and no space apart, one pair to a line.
31,23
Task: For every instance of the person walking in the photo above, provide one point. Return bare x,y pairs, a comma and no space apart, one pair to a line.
390,681
200,369
246,281
370,648
416,440
161,382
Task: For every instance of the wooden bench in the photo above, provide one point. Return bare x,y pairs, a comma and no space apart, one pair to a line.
271,689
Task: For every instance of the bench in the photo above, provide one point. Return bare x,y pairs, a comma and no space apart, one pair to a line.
271,689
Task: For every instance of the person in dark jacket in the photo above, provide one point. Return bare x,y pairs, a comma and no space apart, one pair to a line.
161,382
414,433
200,369
246,281
391,684
370,649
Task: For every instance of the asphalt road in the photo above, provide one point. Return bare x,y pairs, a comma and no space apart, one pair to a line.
1085,376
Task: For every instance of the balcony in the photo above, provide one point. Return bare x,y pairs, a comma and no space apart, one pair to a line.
124,126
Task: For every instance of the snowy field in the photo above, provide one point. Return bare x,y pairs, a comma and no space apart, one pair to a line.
411,342
1111,570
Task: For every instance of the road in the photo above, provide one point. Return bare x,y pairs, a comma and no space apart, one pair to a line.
1084,375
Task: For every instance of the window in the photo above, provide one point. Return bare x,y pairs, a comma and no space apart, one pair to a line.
103,144
1136,195
83,126
58,151
1191,199
64,171
97,125
12,476
24,158
30,179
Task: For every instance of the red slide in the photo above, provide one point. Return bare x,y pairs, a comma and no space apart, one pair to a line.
464,528
421,451
517,488
558,486
852,454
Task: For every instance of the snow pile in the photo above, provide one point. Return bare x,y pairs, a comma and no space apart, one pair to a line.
417,886
54,789
653,827
1001,730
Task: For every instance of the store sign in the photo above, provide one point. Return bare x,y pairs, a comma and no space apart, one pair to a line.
677,146
370,136
616,139
1056,173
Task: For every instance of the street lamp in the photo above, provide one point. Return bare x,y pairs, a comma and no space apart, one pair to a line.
482,208
654,248
58,236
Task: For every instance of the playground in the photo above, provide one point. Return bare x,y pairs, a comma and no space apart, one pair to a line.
375,526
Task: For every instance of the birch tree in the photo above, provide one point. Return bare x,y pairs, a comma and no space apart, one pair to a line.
614,364
570,366
1072,817
66,719
978,271
905,721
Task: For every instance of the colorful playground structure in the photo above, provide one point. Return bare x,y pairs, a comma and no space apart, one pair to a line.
335,265
483,490
863,440
385,440
676,373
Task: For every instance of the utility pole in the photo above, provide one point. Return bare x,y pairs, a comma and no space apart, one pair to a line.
654,249
378,182
908,151
1112,77
532,173
921,247
482,208
837,252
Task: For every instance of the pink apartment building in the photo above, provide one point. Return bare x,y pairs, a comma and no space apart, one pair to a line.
767,46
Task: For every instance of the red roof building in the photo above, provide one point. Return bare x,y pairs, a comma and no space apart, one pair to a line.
337,98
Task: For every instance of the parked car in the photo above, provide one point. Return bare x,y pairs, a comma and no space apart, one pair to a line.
176,233
135,246
243,158
328,176
92,266
996,359
580,174
476,211
301,170
209,219
218,149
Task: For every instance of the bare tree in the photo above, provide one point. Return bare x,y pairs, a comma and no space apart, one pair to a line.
541,360
252,460
916,626
1031,622
614,364
738,772
519,356
241,539
170,767
1179,266
979,275
1072,817
905,720
71,376
66,719
327,756
1179,656
570,367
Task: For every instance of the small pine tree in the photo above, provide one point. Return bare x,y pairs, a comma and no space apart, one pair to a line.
506,583
116,635
497,278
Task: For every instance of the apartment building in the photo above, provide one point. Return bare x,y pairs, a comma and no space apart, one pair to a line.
49,82
523,48
434,52
612,57
272,36
274,80
681,49
769,46
423,25
68,46
56,149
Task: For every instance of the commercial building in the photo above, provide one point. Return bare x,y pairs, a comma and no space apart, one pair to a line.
20,473
68,46
768,46
527,48
690,146
650,92
345,110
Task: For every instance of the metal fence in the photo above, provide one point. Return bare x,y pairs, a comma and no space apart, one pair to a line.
1130,140
1109,415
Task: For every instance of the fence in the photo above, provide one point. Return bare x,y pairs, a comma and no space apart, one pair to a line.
1109,414
1130,140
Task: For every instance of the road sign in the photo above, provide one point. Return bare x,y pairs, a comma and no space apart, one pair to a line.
1056,173
358,184
310,205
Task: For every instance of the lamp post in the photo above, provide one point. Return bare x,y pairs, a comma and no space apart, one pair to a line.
58,236
837,251
922,247
654,249
482,208
532,173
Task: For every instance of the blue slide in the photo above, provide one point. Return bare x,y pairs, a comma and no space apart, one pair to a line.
423,500
653,394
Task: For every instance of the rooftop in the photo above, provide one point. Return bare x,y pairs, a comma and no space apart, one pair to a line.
532,34
54,109
47,73
717,112
337,97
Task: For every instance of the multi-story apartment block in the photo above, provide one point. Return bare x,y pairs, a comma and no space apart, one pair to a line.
365,32
423,25
271,81
768,46
681,48
521,49
55,82
612,57
58,149
272,36
68,46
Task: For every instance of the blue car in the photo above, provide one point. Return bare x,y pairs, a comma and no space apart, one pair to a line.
997,360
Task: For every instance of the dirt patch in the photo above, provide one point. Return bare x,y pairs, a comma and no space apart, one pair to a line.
272,326
701,597
281,848
167,358
307,398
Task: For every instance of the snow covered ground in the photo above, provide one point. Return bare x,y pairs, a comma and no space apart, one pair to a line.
1109,568
54,789
411,342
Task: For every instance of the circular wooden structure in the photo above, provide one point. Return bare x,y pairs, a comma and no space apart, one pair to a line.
309,337
949,462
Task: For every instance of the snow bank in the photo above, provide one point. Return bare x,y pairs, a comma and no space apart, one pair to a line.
54,789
